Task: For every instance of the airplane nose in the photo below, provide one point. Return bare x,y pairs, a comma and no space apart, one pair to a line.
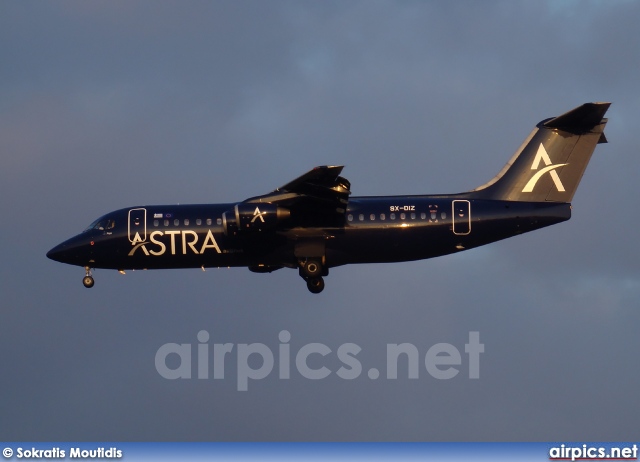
57,253
75,251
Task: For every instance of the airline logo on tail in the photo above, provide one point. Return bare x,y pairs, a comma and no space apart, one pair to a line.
543,156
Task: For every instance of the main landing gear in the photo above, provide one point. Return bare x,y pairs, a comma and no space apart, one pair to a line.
88,279
311,270
315,285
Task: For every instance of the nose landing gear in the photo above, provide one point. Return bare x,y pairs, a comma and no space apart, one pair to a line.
88,278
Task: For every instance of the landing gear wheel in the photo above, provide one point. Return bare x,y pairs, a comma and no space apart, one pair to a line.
88,279
311,269
315,285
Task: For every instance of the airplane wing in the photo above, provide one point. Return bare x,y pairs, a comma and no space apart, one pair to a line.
317,198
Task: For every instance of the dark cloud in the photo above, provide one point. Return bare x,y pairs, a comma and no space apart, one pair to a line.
112,104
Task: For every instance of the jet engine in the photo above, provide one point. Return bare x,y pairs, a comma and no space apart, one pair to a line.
247,219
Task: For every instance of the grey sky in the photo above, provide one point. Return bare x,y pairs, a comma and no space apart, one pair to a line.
112,104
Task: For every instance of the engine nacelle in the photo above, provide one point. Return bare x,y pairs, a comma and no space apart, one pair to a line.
246,218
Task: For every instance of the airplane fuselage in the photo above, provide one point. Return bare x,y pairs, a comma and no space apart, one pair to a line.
376,230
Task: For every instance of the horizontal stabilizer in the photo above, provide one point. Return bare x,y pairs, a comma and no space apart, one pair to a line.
581,119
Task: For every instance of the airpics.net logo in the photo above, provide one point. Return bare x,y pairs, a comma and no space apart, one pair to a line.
257,361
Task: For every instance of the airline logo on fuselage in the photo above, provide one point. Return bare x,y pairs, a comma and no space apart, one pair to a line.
258,214
543,156
181,242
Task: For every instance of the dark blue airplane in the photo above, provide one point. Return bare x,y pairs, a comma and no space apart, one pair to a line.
313,224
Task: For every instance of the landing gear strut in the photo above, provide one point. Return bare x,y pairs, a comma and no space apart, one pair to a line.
88,279
312,270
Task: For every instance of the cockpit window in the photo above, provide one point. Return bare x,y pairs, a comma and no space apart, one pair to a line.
92,225
102,224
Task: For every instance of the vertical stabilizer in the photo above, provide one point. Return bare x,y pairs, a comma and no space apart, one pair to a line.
550,163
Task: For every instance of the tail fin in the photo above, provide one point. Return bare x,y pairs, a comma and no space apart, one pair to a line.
551,161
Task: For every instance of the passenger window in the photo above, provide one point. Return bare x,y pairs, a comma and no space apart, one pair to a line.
382,217
156,223
198,221
176,222
361,217
208,221
219,221
186,222
350,217
402,216
413,216
443,215
166,222
372,217
392,216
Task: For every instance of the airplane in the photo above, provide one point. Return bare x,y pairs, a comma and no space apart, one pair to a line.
312,224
